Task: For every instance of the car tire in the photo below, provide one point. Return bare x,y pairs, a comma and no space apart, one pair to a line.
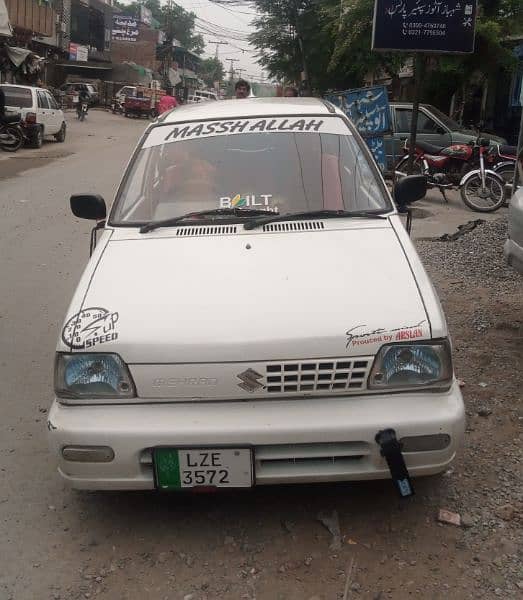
38,138
60,136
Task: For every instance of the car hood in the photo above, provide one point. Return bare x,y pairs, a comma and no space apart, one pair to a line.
470,133
162,298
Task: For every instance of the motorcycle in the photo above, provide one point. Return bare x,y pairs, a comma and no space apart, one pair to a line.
116,106
459,166
82,111
12,135
502,160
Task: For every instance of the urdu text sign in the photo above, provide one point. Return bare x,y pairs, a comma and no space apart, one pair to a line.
424,25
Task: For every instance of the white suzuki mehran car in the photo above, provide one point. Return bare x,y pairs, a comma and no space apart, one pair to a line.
253,313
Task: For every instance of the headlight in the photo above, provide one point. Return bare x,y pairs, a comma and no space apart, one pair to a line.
412,365
94,376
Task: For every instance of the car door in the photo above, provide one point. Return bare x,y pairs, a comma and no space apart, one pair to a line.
429,129
56,116
43,115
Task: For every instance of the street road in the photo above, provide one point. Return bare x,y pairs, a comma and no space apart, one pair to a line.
267,543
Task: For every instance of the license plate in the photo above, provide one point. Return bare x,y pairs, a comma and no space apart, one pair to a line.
178,468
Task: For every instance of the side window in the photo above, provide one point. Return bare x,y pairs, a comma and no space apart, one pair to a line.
52,101
403,119
42,100
425,123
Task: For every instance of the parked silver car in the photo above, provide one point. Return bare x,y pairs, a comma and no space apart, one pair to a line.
434,127
514,244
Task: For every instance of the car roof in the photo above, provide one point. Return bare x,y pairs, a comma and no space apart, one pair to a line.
25,87
249,107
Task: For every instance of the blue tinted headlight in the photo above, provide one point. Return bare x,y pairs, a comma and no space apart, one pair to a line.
406,365
92,376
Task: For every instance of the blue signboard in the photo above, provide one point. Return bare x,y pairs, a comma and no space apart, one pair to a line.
424,25
377,147
368,108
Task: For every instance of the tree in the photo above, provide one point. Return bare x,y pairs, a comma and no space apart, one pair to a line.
336,44
211,70
180,22
335,41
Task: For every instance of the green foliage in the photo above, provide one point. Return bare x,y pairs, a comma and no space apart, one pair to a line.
211,70
177,22
337,39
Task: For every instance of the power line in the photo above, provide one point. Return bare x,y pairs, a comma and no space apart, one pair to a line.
217,43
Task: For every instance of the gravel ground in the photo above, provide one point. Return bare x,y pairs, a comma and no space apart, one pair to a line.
475,254
483,301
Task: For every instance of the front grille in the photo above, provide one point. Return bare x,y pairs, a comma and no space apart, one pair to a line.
294,226
301,462
206,230
299,453
316,376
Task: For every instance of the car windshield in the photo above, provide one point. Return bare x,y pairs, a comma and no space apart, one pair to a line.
17,96
445,119
276,165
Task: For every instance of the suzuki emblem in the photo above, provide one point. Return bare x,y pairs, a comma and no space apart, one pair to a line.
250,381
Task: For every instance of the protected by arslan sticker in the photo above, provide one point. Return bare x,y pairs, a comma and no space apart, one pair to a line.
177,132
361,335
89,327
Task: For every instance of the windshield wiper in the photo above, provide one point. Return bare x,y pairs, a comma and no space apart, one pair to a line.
311,214
234,212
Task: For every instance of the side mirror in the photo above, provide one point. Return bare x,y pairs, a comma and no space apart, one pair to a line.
88,206
409,189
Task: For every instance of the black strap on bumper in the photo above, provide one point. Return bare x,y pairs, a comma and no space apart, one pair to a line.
390,449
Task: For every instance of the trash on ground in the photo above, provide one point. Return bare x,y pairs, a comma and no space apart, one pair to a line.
449,517
331,521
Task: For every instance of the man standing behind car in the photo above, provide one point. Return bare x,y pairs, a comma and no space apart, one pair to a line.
242,89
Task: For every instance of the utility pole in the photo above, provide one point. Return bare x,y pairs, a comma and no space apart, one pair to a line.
231,68
419,74
217,45
169,36
240,71
305,82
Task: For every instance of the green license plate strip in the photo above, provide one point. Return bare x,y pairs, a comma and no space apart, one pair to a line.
182,468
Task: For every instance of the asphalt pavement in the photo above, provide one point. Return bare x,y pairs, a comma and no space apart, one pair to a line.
268,543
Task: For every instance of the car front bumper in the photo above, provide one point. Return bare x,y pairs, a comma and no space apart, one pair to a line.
293,441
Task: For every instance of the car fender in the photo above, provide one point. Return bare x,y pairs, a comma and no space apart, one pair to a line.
473,173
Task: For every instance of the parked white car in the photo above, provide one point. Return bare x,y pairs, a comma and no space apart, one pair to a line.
254,313
201,96
41,115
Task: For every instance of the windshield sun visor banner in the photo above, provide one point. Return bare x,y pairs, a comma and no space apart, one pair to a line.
177,132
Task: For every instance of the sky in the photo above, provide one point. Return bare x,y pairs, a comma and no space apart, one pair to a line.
235,17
